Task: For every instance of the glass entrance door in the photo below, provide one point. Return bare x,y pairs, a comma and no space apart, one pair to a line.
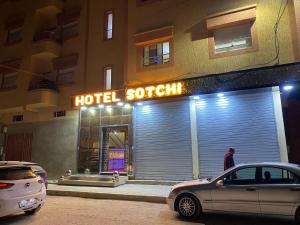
115,149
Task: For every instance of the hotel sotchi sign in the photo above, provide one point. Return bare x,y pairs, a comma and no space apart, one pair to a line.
129,95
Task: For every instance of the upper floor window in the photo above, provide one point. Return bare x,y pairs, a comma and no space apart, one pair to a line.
8,80
18,118
232,33
65,76
233,38
158,53
14,35
107,77
69,29
65,68
108,26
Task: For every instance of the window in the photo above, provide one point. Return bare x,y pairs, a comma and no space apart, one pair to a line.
70,29
108,27
243,176
8,80
59,113
107,77
233,38
158,53
273,175
17,173
14,35
232,32
18,118
144,2
65,76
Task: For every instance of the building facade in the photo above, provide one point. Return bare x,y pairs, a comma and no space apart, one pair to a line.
155,89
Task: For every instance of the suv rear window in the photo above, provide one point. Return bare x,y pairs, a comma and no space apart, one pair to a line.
16,173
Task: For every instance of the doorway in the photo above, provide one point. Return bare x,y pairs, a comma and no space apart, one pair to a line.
115,149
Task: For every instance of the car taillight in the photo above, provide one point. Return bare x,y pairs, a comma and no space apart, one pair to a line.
5,185
41,180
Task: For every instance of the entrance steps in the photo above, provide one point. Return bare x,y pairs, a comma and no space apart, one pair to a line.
93,180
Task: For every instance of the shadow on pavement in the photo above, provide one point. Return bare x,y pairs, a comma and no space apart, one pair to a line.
217,219
13,219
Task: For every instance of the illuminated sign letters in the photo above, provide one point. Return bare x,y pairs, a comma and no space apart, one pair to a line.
154,91
96,98
131,94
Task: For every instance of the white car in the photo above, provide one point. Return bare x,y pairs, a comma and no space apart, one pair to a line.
266,189
21,190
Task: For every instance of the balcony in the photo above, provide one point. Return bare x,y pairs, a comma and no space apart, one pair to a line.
49,7
46,44
42,93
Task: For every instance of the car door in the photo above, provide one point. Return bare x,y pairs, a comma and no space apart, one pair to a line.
238,192
279,191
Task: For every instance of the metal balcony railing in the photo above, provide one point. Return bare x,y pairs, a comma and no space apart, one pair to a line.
42,83
51,34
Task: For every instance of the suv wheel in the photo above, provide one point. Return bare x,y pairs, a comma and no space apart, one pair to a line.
188,206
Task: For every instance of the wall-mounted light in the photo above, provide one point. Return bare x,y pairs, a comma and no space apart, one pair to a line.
83,108
220,95
120,103
101,106
139,103
196,97
288,87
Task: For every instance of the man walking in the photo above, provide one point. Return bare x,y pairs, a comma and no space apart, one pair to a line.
228,159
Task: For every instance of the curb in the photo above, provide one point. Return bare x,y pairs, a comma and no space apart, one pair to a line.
140,198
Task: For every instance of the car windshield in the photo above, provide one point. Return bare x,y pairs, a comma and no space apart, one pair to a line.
16,173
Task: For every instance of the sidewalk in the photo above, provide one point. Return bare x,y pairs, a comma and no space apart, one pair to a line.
130,192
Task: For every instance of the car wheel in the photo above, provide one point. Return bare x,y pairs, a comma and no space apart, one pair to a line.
188,206
297,216
33,211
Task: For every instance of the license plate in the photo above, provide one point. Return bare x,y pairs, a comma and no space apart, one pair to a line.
27,203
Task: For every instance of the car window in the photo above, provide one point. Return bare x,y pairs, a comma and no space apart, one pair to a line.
243,176
36,168
274,175
16,173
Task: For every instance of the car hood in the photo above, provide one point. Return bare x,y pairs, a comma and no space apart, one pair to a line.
192,183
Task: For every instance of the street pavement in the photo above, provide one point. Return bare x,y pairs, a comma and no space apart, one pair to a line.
81,211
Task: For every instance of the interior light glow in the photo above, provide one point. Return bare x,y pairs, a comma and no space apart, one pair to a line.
108,109
127,106
83,108
146,108
220,95
101,106
288,87
139,103
196,97
92,111
120,103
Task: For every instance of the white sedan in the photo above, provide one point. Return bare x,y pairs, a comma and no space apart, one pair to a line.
266,189
21,190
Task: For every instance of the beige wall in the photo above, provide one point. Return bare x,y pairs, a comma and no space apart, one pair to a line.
191,45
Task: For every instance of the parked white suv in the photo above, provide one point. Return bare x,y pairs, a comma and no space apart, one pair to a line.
21,190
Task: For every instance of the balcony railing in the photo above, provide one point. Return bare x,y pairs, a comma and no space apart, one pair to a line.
51,34
42,83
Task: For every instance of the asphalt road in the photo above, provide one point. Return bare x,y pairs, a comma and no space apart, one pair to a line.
79,211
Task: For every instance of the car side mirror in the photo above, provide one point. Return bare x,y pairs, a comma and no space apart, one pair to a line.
219,183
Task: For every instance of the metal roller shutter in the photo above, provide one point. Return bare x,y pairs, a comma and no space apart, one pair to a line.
163,141
244,120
